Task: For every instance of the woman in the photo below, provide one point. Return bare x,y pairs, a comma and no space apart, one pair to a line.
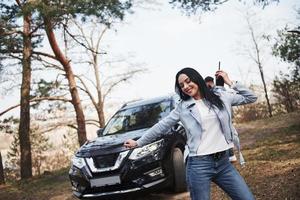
206,118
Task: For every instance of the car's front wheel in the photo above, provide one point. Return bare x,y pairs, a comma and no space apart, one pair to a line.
178,171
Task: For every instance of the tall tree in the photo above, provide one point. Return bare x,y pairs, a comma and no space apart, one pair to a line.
24,126
286,86
48,14
52,15
21,45
55,13
255,55
71,79
90,36
287,45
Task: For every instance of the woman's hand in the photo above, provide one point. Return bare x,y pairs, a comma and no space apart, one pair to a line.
130,143
225,77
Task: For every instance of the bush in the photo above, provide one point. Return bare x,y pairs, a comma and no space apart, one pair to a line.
256,111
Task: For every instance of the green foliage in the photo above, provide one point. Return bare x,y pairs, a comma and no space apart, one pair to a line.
10,40
39,145
9,12
43,89
13,158
195,6
58,10
46,88
286,86
287,46
11,31
192,6
8,125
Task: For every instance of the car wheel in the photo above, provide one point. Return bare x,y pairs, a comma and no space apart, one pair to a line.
178,171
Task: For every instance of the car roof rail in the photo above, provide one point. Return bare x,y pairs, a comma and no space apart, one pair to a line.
132,101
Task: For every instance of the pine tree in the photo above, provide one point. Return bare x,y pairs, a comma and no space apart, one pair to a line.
40,145
19,45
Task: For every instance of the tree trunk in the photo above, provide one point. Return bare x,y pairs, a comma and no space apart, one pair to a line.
100,113
100,103
2,180
265,89
259,64
288,102
24,126
81,129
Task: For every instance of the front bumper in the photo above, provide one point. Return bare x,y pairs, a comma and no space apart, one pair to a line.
150,172
125,191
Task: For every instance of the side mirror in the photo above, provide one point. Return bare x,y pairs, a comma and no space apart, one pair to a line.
100,132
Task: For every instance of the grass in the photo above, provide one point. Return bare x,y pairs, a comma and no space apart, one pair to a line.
272,151
271,148
49,186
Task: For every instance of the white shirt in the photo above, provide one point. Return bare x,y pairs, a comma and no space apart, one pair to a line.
212,139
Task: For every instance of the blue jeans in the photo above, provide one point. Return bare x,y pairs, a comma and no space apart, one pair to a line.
201,170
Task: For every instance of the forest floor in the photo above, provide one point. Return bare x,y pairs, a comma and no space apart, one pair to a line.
271,148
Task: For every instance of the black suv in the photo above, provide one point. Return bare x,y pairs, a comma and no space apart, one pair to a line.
104,167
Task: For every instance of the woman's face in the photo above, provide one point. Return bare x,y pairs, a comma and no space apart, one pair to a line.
188,87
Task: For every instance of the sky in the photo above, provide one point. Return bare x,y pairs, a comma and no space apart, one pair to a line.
165,40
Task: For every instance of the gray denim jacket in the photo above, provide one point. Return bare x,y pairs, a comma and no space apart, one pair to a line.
187,113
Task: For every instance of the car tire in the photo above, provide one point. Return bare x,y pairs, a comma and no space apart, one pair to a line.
179,184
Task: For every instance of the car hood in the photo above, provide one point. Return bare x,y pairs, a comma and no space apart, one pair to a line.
108,144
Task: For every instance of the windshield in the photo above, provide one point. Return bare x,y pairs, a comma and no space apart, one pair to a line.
139,117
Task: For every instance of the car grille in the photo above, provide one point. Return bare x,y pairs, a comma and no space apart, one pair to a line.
105,161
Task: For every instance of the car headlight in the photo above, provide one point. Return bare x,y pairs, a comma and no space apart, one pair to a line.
145,150
78,162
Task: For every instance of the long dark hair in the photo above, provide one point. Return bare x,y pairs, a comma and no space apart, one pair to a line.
206,93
